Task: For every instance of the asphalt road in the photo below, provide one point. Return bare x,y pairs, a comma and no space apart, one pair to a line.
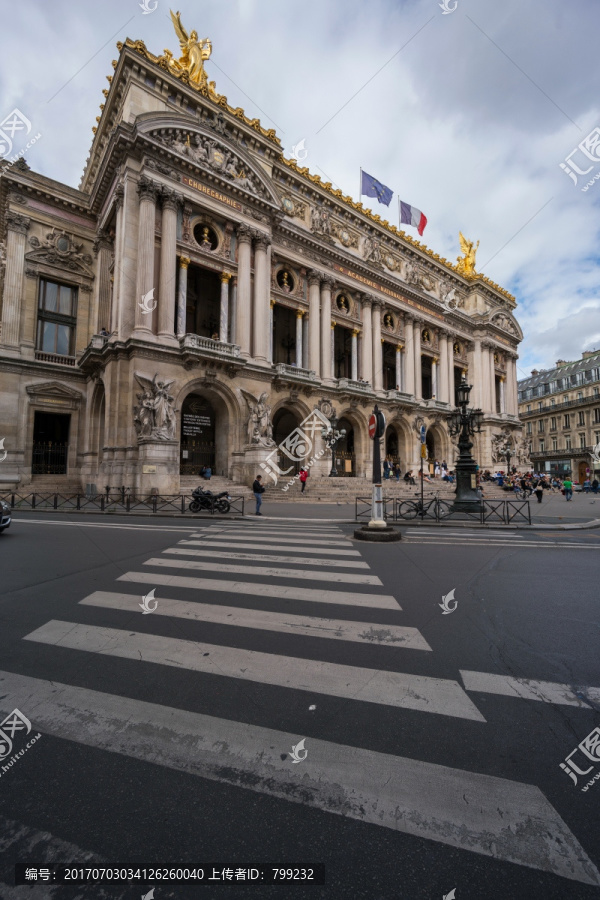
430,743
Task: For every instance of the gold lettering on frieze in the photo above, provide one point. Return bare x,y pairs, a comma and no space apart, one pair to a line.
210,192
385,290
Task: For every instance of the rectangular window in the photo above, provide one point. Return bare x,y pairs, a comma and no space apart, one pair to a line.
567,421
554,444
580,395
540,405
553,402
57,310
597,436
541,425
581,418
567,443
529,407
529,428
582,440
596,392
552,386
596,416
542,445
553,423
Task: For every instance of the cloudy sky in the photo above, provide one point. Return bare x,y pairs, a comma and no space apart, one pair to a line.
466,115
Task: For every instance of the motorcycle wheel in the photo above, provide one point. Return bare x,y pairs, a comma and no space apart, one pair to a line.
194,506
223,506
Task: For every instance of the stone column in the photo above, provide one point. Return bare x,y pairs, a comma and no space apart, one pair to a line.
126,254
409,357
492,381
502,396
233,310
243,305
451,371
184,262
299,315
367,340
417,358
399,385
443,373
486,399
102,249
326,355
271,329
434,378
224,309
13,304
117,271
148,192
377,345
314,349
475,374
305,342
168,262
355,333
261,299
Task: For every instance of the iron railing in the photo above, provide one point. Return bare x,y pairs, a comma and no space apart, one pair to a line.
500,512
118,502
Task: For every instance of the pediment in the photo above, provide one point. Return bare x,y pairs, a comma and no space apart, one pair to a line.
213,153
507,323
54,390
59,249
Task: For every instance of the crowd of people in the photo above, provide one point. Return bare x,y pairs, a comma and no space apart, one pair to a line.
392,469
529,483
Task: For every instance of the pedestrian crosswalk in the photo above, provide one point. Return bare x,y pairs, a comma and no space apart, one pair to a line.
441,537
273,582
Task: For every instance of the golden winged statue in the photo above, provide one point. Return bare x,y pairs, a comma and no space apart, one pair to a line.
466,263
193,51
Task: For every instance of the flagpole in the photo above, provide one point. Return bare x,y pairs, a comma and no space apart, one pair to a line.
399,213
360,187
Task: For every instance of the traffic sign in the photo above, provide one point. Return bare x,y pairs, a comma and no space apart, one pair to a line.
376,425
423,433
372,426
423,451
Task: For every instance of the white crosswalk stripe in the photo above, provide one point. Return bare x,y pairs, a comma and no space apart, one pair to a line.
492,816
285,623
487,815
483,542
264,557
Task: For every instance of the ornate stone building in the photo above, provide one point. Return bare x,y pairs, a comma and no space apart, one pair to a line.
560,411
238,293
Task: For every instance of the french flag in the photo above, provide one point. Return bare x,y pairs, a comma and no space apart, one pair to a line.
410,215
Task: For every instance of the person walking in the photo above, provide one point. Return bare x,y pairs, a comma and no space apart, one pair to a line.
539,491
568,488
595,486
258,490
303,477
386,469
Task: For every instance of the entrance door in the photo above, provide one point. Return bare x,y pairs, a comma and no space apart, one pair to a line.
50,444
344,450
197,445
583,466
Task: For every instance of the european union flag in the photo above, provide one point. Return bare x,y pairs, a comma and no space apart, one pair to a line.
373,188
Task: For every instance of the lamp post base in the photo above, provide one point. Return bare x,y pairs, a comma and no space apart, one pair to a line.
384,535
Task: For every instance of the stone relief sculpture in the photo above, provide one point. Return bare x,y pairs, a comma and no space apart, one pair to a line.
500,444
504,321
154,417
372,250
320,221
259,426
207,152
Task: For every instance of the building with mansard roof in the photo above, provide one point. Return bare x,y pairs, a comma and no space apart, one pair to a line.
199,295
560,411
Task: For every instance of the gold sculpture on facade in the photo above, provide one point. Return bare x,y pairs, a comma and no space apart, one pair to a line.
193,54
466,263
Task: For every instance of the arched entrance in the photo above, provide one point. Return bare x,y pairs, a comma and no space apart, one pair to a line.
285,422
430,443
345,451
198,435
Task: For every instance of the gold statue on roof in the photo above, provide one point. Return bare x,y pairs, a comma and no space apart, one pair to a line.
466,263
193,51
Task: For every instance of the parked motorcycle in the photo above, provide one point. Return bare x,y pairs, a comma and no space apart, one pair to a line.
207,500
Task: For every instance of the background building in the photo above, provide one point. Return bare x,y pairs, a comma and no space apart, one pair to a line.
238,291
560,411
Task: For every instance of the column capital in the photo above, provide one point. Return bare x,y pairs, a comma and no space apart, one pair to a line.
119,196
184,262
225,277
399,348
435,359
261,241
366,300
314,277
355,332
328,282
299,313
102,242
272,303
376,303
17,223
148,189
333,324
244,234
171,200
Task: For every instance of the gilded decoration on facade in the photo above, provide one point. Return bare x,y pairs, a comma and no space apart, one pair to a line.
466,263
193,53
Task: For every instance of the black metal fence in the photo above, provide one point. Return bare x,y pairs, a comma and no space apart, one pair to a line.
486,512
117,502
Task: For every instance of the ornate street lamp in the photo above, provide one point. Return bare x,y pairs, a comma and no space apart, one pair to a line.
331,436
464,423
